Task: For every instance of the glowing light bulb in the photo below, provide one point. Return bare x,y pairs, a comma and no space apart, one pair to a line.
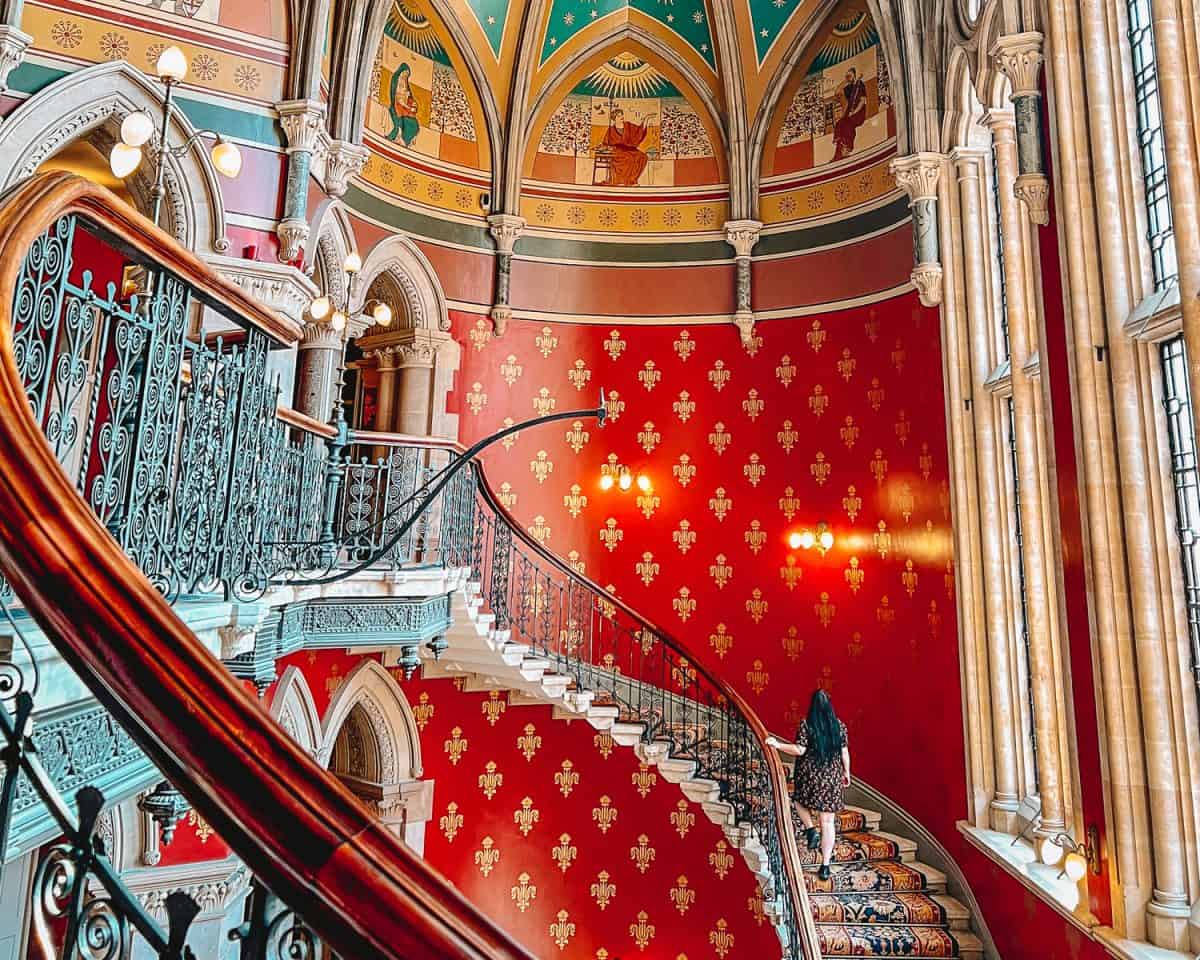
1075,867
124,159
353,262
319,308
807,540
382,314
1052,853
172,64
795,541
606,482
137,128
227,158
826,539
626,480
643,483
338,321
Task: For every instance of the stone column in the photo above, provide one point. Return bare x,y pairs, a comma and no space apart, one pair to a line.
742,235
13,41
342,161
1041,607
303,124
1019,56
917,175
318,362
506,229
385,401
414,363
971,167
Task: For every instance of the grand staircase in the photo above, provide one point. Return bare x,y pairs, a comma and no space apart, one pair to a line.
879,902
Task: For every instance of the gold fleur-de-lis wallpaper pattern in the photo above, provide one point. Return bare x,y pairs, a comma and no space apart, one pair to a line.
844,414
621,856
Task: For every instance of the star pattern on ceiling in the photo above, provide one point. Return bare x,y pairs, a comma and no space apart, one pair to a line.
687,19
768,18
491,16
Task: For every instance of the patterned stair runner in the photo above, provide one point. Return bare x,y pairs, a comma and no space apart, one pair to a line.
881,902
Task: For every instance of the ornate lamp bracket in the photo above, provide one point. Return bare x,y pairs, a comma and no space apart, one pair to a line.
1019,57
918,175
506,229
742,235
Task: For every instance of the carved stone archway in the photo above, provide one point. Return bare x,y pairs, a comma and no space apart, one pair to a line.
371,742
293,707
90,104
415,358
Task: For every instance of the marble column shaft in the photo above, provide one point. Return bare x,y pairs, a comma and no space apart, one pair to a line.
1037,550
971,168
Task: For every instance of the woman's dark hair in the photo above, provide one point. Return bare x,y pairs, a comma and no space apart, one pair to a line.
824,731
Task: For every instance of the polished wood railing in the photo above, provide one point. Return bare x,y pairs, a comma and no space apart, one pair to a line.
363,892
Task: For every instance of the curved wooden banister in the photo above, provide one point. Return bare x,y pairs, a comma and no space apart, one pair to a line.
778,774
361,890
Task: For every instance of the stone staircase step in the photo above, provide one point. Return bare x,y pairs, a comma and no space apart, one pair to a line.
603,716
860,846
910,909
873,940
627,734
888,876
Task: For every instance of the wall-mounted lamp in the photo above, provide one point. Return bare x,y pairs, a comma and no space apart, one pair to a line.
324,306
138,128
821,537
1079,857
623,479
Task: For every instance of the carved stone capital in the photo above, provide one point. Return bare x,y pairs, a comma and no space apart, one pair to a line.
969,162
13,44
506,229
415,355
1034,190
281,287
1019,57
292,236
343,160
501,314
1002,122
235,640
742,235
927,278
745,324
303,123
918,174
320,335
384,357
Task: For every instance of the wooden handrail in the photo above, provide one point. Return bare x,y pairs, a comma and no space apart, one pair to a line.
294,824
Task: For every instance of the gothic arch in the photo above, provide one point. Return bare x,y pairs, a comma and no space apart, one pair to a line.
795,60
424,303
294,708
964,113
90,104
380,717
330,239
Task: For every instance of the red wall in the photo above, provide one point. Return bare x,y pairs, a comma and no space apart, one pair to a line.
604,769
892,666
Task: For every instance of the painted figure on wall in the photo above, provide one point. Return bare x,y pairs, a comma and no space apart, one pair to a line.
402,106
621,148
854,113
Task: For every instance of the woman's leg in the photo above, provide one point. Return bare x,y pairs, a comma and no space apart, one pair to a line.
806,818
828,834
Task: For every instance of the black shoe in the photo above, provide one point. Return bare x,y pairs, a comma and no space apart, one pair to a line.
813,836
824,873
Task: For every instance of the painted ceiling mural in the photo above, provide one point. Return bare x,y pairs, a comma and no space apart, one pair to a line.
686,19
419,102
626,125
841,105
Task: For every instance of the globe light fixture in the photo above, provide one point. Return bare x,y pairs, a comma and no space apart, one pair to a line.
319,308
338,321
796,541
825,539
1080,857
353,262
644,484
137,128
1052,852
607,482
807,539
124,160
381,313
227,158
172,65
1075,867
625,480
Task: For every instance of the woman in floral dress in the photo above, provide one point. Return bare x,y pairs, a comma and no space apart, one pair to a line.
822,774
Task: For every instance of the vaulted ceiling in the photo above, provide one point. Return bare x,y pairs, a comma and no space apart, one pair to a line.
731,60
